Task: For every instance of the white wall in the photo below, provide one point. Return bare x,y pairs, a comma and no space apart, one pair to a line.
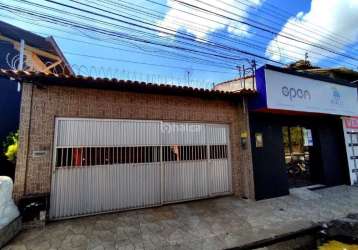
296,93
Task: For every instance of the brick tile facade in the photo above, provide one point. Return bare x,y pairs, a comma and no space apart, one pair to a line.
40,106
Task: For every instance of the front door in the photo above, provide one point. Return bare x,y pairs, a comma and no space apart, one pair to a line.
299,156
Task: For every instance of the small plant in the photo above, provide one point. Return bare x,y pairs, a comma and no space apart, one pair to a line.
11,146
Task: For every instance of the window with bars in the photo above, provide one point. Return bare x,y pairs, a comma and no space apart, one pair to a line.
184,153
218,151
91,156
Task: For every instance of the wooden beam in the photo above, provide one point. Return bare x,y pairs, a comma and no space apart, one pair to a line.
53,65
30,48
36,63
40,66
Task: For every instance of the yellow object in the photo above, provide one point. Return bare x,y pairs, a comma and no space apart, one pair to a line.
336,245
243,134
12,151
12,147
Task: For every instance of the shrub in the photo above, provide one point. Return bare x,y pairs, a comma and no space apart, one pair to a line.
11,146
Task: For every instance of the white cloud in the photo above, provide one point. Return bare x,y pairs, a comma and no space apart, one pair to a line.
326,17
196,22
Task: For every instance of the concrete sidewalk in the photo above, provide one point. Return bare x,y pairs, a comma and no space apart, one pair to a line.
208,224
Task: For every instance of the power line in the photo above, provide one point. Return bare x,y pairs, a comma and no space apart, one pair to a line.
136,62
301,28
209,63
168,31
278,32
230,48
253,33
184,37
143,63
256,26
253,46
214,35
123,35
126,36
56,20
130,61
248,44
284,13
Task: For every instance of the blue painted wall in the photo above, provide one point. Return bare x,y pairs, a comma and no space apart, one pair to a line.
260,101
10,100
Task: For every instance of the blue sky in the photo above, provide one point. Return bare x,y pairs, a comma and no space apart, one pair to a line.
324,23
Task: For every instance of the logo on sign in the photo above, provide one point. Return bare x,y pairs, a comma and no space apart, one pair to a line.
296,93
336,97
168,128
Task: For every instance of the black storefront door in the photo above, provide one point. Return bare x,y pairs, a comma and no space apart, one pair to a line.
300,156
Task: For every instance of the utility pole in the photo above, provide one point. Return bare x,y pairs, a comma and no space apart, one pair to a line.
188,75
306,57
239,70
253,65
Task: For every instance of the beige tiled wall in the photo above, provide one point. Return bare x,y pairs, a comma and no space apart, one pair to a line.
40,106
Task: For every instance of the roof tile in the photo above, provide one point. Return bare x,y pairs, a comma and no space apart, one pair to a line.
117,84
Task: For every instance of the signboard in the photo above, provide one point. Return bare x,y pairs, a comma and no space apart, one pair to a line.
307,137
259,142
350,123
350,128
283,91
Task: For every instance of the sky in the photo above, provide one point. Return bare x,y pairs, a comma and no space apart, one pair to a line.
199,42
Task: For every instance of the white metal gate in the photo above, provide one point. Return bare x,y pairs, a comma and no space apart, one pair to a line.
108,165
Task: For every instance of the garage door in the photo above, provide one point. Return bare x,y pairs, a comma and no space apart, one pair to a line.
109,165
